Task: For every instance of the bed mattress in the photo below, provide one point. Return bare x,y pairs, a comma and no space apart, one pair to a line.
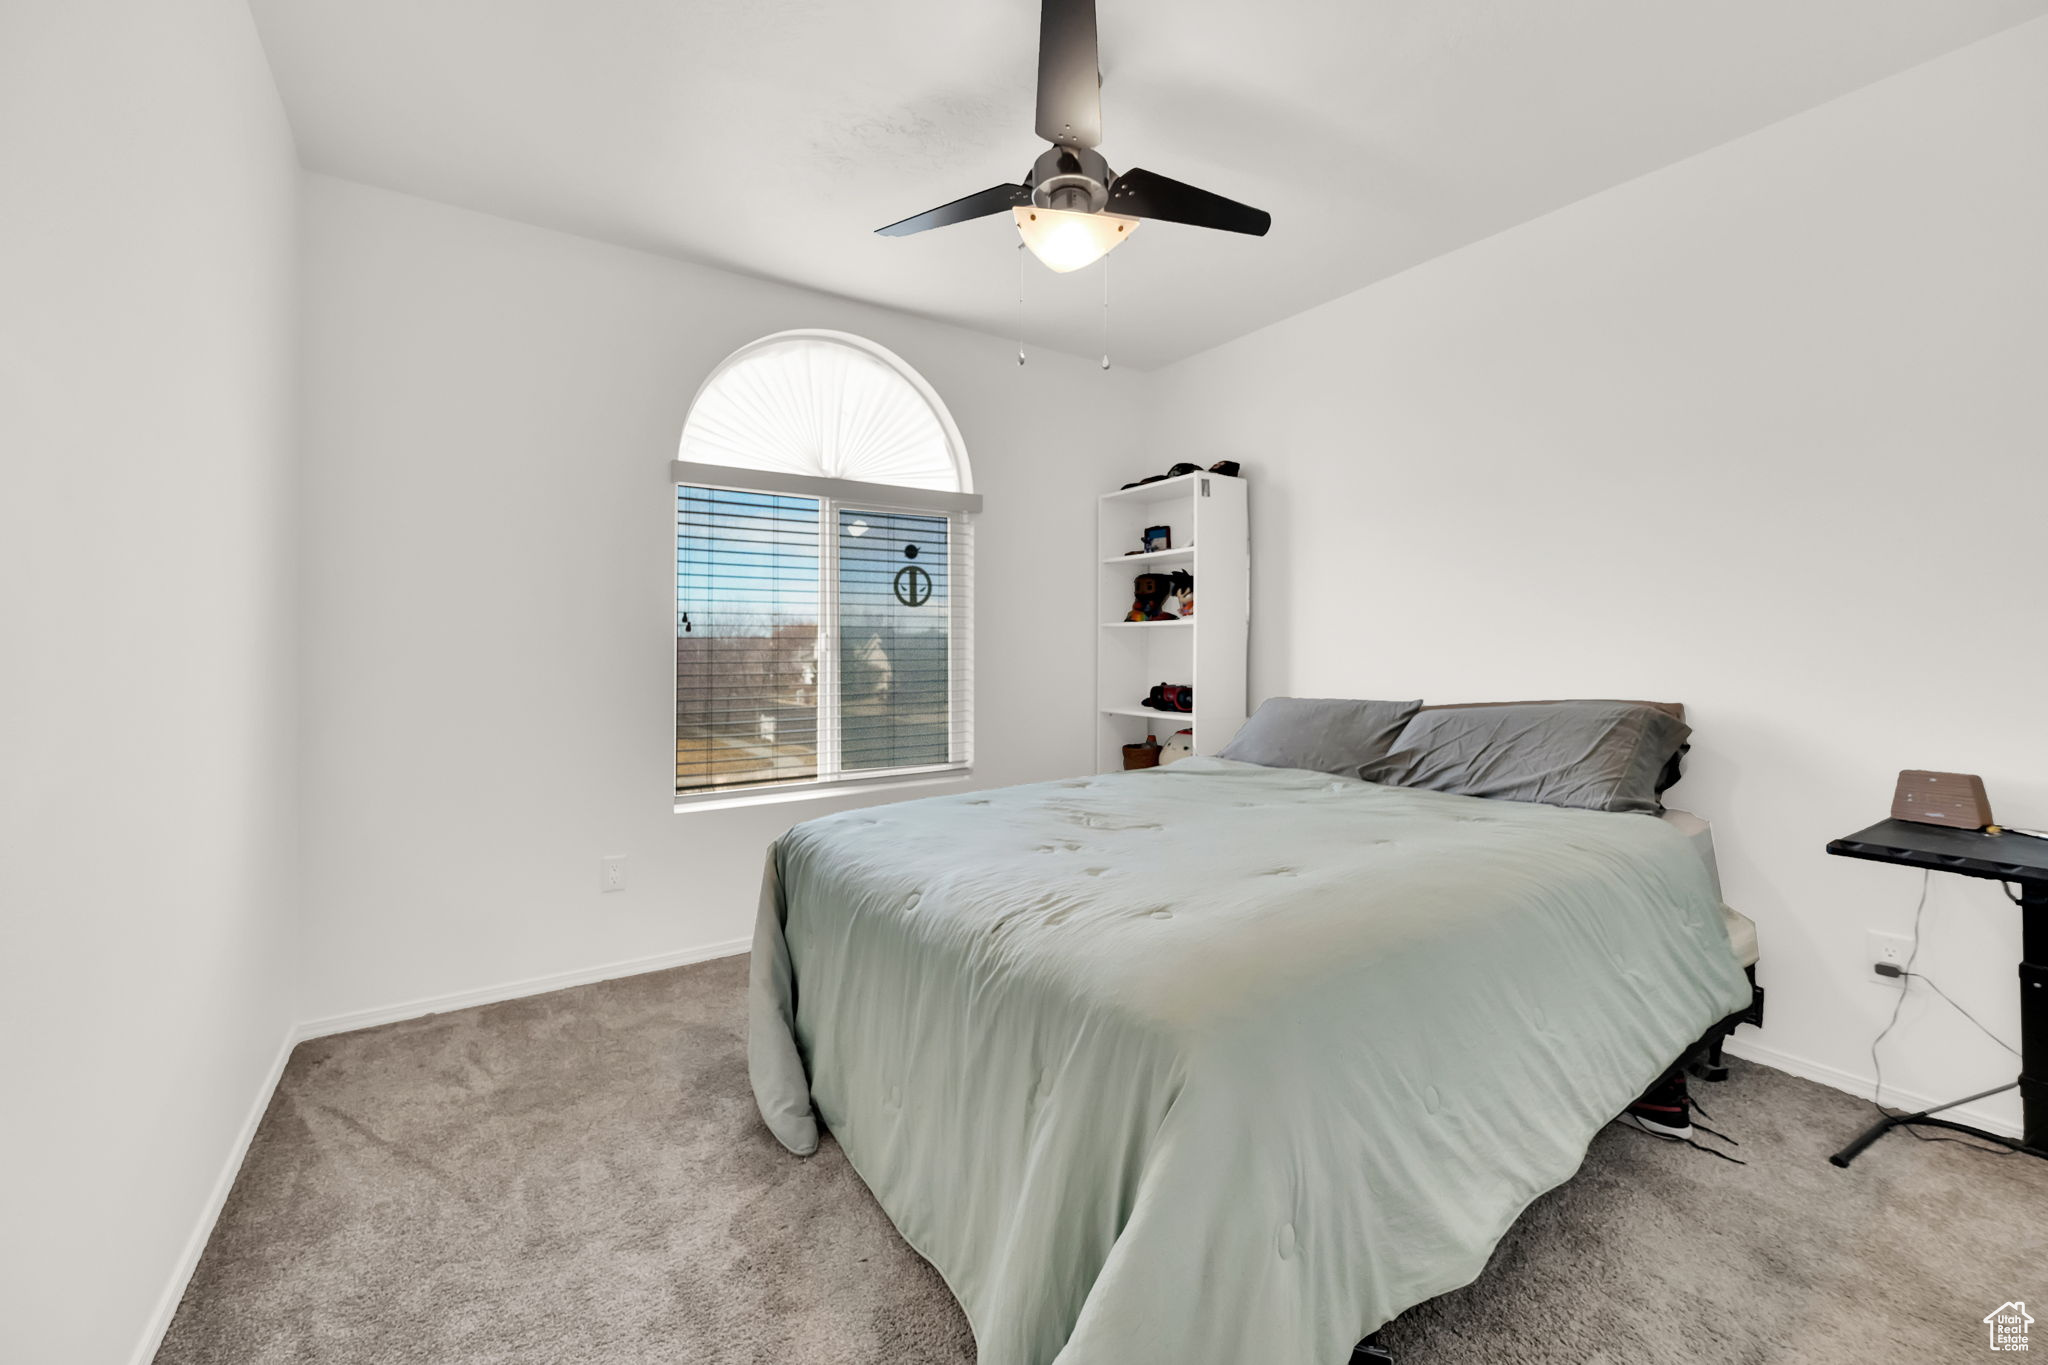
1700,835
1218,1063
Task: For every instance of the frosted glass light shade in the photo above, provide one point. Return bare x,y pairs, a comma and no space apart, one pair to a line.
1067,241
811,404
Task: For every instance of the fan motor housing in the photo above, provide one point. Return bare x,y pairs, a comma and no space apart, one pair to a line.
1073,179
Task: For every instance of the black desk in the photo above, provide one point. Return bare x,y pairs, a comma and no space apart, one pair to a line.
2016,858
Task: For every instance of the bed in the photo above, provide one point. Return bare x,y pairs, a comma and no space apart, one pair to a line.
1222,1062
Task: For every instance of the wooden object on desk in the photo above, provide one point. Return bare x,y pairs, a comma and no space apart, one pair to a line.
1953,799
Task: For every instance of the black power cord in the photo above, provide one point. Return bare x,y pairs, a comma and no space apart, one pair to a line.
1936,987
1907,972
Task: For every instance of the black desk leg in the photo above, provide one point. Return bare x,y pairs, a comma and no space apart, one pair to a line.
1922,1119
2034,1013
2033,1081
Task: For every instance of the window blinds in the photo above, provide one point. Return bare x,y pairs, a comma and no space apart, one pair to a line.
747,614
817,640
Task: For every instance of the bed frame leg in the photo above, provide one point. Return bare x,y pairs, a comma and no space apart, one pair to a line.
1705,1060
1370,1352
1707,1063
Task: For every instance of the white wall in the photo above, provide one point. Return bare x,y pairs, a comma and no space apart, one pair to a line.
147,925
489,542
1761,432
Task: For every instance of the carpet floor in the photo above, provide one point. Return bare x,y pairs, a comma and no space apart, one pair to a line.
580,1177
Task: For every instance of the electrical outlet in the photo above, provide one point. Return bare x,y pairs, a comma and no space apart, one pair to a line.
612,873
1891,948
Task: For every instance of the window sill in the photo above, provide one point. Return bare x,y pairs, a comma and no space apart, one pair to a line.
779,795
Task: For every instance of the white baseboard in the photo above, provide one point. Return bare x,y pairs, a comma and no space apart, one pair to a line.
188,1260
513,990
1749,1049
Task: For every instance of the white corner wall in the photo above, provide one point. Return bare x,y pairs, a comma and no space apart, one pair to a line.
148,201
1762,432
489,542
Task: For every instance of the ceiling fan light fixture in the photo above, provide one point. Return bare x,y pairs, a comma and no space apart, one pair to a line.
1067,241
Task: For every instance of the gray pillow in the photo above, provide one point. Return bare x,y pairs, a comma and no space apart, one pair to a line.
1324,735
1599,755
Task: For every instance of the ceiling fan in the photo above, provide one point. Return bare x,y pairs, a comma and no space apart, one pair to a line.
1072,209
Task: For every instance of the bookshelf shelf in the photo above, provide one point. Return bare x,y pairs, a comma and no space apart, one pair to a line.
1153,556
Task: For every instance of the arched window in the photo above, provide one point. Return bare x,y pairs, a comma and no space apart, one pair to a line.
823,572
826,404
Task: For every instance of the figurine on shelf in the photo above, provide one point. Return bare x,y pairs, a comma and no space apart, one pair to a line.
1162,596
1150,591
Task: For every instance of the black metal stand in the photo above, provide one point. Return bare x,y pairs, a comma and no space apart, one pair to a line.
1703,1061
1922,1120
2014,858
1370,1352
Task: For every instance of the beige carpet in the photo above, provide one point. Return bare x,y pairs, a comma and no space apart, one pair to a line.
580,1177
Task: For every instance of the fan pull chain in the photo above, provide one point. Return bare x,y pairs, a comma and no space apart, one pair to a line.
1020,303
1105,312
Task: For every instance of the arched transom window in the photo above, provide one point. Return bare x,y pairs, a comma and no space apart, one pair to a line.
829,405
823,564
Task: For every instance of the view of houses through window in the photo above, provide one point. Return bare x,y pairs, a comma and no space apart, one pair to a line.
813,640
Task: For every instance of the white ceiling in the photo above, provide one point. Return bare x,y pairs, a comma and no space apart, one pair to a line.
772,136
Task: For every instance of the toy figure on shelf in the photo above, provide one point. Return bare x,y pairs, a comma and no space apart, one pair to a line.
1162,596
1149,591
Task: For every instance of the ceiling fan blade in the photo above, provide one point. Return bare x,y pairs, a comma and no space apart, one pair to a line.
1141,194
980,204
1069,74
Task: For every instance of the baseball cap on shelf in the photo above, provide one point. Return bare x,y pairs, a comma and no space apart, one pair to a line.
1228,468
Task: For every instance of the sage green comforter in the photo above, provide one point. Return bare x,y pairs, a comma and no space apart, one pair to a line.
1217,1064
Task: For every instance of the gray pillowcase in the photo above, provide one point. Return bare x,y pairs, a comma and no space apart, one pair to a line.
1595,755
1325,735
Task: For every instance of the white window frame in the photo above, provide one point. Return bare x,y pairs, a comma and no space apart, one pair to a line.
832,494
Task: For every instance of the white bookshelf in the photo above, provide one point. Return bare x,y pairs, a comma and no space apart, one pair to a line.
1211,539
